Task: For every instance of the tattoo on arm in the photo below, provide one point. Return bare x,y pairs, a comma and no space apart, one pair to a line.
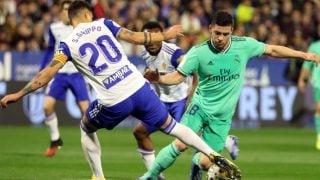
54,62
127,32
28,88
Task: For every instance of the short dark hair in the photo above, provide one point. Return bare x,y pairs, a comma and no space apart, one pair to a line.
152,25
77,6
222,18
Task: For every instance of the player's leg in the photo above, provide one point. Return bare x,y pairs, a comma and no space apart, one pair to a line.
145,145
97,117
51,121
215,133
91,148
184,134
317,116
55,90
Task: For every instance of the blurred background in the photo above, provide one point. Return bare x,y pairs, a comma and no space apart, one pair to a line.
269,98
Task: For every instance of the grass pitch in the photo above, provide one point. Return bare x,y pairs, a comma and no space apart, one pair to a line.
277,154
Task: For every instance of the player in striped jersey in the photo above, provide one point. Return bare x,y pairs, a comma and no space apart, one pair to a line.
68,77
94,48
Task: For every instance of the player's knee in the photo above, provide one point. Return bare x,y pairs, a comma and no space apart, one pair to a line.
48,110
140,132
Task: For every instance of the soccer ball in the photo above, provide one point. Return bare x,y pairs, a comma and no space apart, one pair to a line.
215,173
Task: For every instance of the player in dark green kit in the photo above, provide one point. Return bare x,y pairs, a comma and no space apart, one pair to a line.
220,63
312,72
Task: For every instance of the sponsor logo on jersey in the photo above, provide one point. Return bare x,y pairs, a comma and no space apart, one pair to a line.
116,77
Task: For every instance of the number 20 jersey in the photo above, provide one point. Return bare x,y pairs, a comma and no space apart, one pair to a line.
97,54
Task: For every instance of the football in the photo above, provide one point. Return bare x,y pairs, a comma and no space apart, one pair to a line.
215,173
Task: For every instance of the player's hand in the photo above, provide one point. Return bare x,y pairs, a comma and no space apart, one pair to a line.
8,99
174,32
151,75
312,57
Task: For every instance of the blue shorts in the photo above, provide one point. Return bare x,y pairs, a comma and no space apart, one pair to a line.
144,105
62,82
176,110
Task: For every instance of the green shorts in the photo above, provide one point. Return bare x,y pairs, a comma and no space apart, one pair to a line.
214,131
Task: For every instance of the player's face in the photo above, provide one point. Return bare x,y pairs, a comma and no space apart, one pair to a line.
220,36
153,48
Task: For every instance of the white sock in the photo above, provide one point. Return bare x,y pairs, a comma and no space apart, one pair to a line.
186,135
91,148
52,123
147,156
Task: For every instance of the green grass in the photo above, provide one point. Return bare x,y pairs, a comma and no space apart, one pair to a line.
282,154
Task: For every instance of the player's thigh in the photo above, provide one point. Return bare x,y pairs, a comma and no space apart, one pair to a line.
148,108
83,105
193,117
215,133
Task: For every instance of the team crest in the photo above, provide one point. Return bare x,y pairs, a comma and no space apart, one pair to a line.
164,66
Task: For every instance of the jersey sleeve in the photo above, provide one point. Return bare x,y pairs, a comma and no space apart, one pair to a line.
62,54
189,63
113,26
176,56
309,64
254,47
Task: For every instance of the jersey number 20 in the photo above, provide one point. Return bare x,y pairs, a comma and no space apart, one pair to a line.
105,46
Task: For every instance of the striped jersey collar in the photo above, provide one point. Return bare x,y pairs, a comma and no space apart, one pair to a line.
214,49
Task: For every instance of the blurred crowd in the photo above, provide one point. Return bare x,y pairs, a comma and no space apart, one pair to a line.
294,23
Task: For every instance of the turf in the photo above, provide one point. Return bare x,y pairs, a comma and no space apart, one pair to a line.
282,154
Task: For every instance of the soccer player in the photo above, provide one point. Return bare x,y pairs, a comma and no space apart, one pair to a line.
310,70
165,57
68,77
121,89
220,64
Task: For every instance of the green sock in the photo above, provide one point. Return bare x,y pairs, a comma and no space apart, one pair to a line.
317,123
196,159
164,159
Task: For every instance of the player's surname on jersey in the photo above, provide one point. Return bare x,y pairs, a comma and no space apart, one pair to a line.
85,32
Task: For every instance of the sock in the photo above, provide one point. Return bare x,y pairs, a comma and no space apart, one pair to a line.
91,148
52,123
147,156
186,135
165,159
317,125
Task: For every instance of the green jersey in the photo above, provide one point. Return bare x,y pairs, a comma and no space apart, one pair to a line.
220,74
311,66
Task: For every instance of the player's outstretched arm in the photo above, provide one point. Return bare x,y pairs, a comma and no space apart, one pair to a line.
172,78
284,52
41,79
147,37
